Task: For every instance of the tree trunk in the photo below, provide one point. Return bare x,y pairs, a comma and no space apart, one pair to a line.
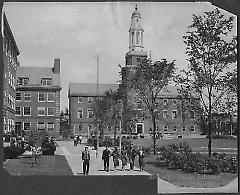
154,134
209,135
115,135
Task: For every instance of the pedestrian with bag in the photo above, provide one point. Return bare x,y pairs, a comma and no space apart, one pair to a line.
86,159
115,155
105,158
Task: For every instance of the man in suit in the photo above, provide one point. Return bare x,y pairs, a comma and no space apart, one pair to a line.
105,158
131,156
85,159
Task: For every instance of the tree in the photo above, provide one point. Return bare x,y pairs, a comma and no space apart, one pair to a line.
147,80
211,54
65,129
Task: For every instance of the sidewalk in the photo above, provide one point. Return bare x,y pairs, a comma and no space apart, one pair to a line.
73,156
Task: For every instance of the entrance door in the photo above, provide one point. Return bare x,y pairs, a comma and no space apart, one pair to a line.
139,128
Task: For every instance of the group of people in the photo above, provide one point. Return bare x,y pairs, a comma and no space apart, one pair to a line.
127,154
77,140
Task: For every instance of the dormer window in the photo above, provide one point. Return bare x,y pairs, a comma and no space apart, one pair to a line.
46,81
23,80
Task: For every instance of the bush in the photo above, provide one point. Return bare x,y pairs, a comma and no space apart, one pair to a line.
49,149
12,152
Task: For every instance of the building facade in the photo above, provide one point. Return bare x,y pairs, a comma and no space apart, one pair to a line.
81,97
169,118
38,99
10,64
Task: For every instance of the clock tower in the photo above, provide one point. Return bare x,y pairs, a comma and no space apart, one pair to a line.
136,49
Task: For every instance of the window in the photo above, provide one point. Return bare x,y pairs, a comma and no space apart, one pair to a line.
41,111
137,37
192,114
41,97
27,97
90,99
18,110
18,96
175,128
157,129
165,128
174,102
40,126
174,114
165,102
80,99
23,81
183,128
192,128
50,126
51,97
139,104
26,111
46,81
26,126
50,111
109,128
80,113
80,127
165,114
132,38
89,113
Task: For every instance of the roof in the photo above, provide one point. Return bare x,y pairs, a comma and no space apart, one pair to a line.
10,34
90,89
35,74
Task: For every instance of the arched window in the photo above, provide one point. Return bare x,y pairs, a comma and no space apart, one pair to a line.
132,37
138,37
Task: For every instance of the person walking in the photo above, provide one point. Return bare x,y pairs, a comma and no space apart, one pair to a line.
124,158
80,139
131,156
75,141
115,155
141,159
105,158
86,159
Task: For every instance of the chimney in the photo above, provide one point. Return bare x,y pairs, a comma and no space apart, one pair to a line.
56,68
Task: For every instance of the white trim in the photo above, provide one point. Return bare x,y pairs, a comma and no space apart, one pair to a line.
24,97
41,108
20,111
48,125
41,123
51,114
79,110
142,127
53,95
26,107
80,102
23,126
44,96
173,114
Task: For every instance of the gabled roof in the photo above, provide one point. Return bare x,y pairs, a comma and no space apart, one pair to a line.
90,89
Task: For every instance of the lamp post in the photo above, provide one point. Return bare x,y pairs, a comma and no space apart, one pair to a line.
97,133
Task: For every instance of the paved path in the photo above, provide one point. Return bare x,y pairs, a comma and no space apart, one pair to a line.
73,156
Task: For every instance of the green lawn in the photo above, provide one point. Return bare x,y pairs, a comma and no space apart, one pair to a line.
46,165
195,143
179,178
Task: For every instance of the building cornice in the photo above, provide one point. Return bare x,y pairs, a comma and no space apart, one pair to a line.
38,88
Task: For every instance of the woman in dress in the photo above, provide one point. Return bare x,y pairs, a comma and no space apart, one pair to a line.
141,159
115,155
124,158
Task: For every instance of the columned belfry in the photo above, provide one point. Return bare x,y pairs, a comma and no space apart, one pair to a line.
136,49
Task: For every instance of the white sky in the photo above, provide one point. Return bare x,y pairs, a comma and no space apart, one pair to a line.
76,32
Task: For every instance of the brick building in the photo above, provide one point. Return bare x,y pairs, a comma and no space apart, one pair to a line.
10,63
81,96
38,98
169,118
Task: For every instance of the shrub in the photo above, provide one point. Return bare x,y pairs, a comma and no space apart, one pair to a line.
11,152
49,149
